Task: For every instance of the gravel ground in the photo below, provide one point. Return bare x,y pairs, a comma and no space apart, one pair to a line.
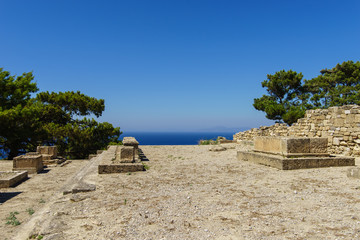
190,192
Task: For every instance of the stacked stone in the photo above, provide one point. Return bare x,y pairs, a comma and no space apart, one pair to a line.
341,125
279,129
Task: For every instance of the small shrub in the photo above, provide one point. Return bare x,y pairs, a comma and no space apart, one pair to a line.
30,211
208,142
146,167
12,220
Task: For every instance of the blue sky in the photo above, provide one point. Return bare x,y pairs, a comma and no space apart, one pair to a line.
175,65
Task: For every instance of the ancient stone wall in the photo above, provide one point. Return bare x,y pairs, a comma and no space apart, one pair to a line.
341,125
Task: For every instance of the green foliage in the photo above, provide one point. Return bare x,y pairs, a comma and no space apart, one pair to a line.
12,220
50,119
30,211
208,142
337,86
289,96
146,167
286,99
17,115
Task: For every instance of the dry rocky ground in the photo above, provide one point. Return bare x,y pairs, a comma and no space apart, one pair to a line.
189,192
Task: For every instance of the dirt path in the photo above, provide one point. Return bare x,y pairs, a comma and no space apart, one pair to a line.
192,193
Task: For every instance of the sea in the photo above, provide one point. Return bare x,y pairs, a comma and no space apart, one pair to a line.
169,138
175,138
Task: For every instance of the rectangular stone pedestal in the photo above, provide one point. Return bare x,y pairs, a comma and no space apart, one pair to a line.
30,163
291,146
284,163
9,179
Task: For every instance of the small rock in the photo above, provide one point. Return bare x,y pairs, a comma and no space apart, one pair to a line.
217,149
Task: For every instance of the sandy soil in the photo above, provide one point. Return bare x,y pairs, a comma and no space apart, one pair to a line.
190,192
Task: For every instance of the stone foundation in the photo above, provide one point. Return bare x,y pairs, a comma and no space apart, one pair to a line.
31,163
284,163
339,125
126,159
288,153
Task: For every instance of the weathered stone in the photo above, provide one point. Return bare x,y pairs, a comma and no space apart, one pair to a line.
217,149
130,141
126,154
284,163
30,163
9,179
290,145
51,151
120,168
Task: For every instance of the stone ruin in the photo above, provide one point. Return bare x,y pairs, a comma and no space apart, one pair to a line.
10,179
340,125
34,162
126,158
287,153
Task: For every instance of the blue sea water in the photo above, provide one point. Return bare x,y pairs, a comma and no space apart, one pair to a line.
169,138
174,138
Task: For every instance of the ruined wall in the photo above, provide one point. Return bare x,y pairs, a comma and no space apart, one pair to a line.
341,125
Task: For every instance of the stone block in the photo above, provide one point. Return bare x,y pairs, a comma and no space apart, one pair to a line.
48,150
9,179
30,163
291,145
126,154
120,168
130,141
284,163
99,151
339,122
318,145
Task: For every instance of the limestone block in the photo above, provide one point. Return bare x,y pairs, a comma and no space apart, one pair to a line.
336,141
127,154
130,141
290,145
339,122
9,179
30,163
49,150
318,145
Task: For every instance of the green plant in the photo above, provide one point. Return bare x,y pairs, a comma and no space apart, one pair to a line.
42,200
30,211
146,167
208,142
125,201
129,173
12,220
35,236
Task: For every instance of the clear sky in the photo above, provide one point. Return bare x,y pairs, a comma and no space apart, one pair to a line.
175,65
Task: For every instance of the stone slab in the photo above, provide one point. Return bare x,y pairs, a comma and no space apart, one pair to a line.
9,179
291,146
120,168
284,163
130,141
30,163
